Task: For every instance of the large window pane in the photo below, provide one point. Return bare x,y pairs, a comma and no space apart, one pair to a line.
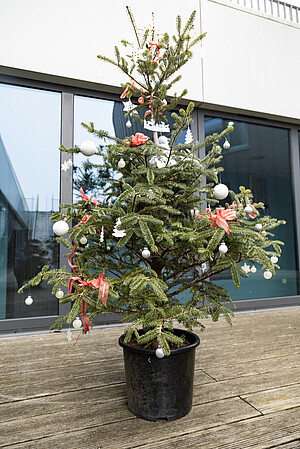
259,158
29,186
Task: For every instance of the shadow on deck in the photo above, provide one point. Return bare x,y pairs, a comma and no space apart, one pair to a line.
246,393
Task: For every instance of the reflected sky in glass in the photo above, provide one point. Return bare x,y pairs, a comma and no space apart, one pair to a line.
30,131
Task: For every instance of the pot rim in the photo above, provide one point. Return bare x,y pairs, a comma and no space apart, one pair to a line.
193,345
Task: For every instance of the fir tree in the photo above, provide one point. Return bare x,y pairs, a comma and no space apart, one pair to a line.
165,201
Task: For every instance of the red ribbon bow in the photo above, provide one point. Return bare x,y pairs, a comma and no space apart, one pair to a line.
123,95
221,217
85,198
98,283
137,139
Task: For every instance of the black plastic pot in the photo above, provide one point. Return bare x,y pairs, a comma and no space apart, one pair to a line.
160,388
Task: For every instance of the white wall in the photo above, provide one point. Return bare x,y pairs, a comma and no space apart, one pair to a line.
252,62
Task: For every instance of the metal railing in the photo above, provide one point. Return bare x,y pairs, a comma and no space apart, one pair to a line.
276,8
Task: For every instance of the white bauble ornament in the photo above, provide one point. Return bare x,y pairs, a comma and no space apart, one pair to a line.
226,145
121,163
223,248
258,226
267,274
128,124
146,253
253,269
59,294
77,323
60,228
220,191
28,301
248,209
83,240
264,233
274,259
163,141
159,353
88,148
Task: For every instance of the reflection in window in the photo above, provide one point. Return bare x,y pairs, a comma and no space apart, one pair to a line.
29,170
259,158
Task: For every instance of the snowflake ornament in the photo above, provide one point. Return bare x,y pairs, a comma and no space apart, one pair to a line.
66,165
129,106
246,268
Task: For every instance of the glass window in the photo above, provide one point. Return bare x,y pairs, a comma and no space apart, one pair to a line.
259,158
29,186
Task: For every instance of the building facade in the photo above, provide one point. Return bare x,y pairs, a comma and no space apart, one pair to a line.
246,70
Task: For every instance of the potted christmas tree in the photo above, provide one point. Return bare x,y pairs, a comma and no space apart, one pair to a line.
150,250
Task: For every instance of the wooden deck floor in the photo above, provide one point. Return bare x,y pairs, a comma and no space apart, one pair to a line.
246,394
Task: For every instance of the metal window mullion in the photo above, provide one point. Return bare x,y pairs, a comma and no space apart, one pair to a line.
295,172
66,177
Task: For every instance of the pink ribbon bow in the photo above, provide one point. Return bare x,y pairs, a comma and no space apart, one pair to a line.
220,218
85,198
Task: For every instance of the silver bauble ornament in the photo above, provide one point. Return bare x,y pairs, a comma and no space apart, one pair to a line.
60,228
226,145
77,323
220,191
83,240
59,294
267,274
88,148
159,353
253,269
248,209
121,163
258,226
28,301
146,253
223,248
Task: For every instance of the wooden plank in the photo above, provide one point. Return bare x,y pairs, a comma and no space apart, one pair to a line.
234,370
111,425
245,385
269,401
262,432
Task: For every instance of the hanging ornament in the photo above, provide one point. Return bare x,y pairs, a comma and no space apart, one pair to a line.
28,301
163,141
188,136
118,232
164,102
83,240
59,294
248,209
66,165
60,228
230,123
141,100
220,191
264,233
223,248
226,145
151,125
102,235
146,253
274,259
246,268
192,33
77,323
129,106
128,124
88,148
258,226
69,335
267,274
253,269
69,163
121,163
159,353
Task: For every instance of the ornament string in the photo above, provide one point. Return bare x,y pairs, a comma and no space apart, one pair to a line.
84,318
